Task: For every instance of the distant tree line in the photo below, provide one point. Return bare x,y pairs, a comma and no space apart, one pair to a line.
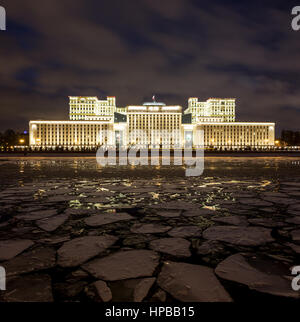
290,138
11,138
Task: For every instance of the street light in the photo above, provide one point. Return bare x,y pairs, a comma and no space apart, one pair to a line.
22,141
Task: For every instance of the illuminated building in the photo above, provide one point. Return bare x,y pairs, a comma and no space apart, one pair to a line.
91,108
154,124
70,133
218,109
95,123
237,135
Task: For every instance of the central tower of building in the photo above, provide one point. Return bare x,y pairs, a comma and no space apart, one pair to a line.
154,124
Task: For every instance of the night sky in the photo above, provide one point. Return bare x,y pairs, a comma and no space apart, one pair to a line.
133,49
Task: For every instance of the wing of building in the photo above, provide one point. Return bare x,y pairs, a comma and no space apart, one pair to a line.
95,122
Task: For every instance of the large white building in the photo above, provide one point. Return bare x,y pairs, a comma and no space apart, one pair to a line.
95,122
213,110
154,124
91,108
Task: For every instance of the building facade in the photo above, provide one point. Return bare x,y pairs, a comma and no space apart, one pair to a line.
154,124
237,135
95,123
91,108
218,109
70,133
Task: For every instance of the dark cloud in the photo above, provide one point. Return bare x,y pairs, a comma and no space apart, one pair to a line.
136,48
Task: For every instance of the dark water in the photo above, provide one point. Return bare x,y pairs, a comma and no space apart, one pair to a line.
78,178
64,183
35,169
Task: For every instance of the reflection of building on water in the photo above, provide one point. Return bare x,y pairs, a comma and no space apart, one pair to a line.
95,122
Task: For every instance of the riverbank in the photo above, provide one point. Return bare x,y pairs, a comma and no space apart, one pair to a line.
221,154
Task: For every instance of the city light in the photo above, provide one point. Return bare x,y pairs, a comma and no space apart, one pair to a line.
90,118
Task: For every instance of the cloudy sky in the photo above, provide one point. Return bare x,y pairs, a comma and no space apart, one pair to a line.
133,49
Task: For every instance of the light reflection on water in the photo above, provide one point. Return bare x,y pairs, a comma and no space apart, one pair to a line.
80,183
217,169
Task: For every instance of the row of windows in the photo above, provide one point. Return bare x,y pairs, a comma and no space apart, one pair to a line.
236,127
88,118
93,103
149,119
79,126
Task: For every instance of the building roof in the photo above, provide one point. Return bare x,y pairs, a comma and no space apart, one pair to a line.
221,98
154,104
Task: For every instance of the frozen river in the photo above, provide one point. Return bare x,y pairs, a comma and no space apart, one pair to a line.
84,232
